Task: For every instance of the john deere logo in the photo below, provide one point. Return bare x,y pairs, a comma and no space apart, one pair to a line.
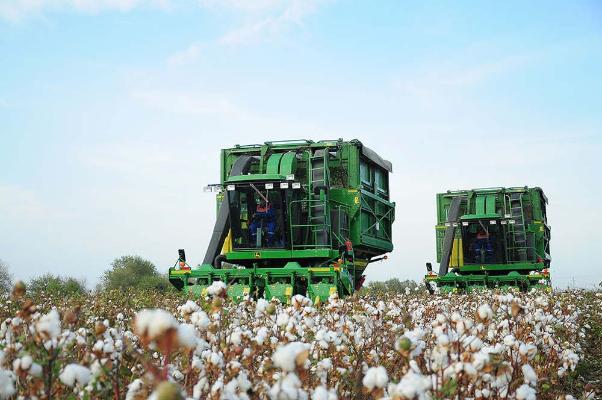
257,254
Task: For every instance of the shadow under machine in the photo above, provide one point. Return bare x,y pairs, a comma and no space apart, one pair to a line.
295,217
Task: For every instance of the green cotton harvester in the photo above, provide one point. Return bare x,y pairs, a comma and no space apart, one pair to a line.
491,238
295,217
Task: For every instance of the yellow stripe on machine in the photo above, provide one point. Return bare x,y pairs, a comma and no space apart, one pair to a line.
179,272
457,254
227,246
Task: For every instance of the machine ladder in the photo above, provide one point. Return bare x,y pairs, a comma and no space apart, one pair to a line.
318,208
517,228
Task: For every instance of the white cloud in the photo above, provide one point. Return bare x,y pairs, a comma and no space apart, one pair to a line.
15,10
242,5
274,20
186,56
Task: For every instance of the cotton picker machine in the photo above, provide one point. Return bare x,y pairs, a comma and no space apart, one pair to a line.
491,238
295,217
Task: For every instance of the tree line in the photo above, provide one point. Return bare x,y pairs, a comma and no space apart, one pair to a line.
124,272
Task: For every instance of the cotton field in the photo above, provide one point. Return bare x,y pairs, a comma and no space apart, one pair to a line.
394,346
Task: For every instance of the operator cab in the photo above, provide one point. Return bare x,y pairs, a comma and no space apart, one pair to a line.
482,242
257,216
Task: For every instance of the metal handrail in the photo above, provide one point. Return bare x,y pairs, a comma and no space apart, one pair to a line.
323,225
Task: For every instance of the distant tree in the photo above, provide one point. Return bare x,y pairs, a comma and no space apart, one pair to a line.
56,285
6,280
134,272
391,286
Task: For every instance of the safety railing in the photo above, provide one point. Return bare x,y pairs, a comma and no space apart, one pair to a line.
319,234
311,231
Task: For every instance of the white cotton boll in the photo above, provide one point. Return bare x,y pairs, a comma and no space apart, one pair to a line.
473,343
282,319
188,308
230,389
322,393
470,369
96,368
26,362
200,319
75,374
443,340
529,374
376,377
177,375
120,317
1,358
528,349
187,336
261,336
526,392
216,359
480,359
412,385
197,390
154,323
217,288
108,347
35,370
288,388
49,325
98,346
260,307
325,363
509,340
7,385
244,383
236,337
287,357
300,301
485,312
133,389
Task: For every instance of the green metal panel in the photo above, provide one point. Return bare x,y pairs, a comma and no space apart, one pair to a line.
490,204
274,164
480,205
288,164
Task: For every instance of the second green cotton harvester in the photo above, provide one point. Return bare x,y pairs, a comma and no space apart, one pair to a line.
491,238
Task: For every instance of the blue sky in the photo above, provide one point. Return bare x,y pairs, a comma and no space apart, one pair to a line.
112,114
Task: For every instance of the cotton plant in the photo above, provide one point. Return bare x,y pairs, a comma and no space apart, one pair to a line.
399,346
